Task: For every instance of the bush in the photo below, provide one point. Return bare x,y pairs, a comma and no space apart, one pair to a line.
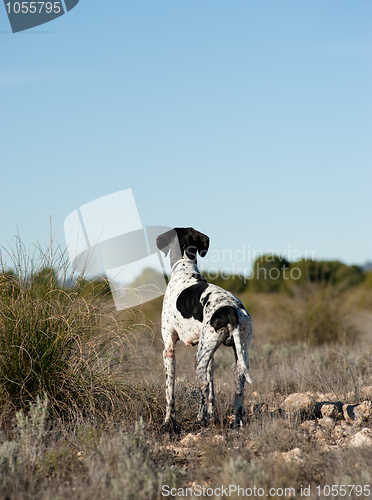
368,280
57,341
326,272
269,274
317,315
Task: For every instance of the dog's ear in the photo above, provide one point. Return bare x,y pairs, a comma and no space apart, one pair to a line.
164,240
202,243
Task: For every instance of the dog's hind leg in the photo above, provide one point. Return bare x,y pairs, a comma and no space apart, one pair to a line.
209,341
207,410
239,394
240,347
212,416
202,414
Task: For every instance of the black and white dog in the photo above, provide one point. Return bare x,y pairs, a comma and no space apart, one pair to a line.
197,312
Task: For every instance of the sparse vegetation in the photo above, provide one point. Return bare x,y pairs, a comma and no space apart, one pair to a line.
82,391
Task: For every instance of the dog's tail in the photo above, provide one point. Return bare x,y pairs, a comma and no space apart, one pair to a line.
240,363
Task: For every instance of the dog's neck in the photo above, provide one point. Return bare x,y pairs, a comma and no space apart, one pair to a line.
184,266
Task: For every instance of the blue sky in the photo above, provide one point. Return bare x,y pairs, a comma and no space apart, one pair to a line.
249,120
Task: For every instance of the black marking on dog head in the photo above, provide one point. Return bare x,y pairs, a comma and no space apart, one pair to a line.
188,302
183,242
223,316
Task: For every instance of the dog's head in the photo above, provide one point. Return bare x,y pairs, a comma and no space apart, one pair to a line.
183,242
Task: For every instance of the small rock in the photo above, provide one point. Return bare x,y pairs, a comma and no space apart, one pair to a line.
178,450
325,448
363,412
339,432
321,434
332,410
328,409
218,438
291,456
299,404
309,425
190,439
327,422
346,427
361,438
358,414
348,411
366,393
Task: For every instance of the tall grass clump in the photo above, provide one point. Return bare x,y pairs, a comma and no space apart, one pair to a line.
57,341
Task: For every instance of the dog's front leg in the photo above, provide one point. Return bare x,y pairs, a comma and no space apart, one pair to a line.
169,359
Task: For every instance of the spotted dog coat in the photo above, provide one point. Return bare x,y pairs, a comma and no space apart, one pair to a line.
203,314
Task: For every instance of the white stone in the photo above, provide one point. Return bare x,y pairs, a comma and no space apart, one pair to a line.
361,438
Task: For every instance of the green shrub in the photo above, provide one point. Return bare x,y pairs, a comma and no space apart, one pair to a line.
270,273
316,315
326,272
368,280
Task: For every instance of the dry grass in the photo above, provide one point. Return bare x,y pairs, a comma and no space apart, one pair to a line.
43,458
82,397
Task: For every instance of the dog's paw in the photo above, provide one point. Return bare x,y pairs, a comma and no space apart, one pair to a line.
197,426
169,427
200,423
213,420
239,423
